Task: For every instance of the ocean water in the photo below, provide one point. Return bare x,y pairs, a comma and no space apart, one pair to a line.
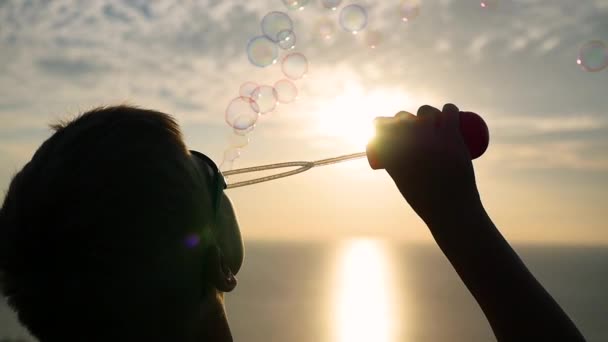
369,290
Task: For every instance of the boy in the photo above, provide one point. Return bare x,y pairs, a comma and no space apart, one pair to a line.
115,231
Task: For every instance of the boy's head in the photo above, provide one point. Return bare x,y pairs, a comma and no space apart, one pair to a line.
110,232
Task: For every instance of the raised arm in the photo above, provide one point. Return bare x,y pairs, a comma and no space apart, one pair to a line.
426,157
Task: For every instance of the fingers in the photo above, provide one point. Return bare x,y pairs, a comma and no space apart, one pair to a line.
427,111
451,116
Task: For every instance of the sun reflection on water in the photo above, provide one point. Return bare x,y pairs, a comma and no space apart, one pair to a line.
364,298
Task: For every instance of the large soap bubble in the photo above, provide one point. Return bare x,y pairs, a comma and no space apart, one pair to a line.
274,23
265,98
353,18
242,113
295,66
593,56
262,51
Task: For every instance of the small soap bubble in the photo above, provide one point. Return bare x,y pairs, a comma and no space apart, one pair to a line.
593,56
247,89
226,166
231,154
238,141
265,98
274,23
373,38
409,9
353,18
331,4
242,111
286,91
295,4
243,132
287,39
326,28
489,4
262,51
244,122
295,66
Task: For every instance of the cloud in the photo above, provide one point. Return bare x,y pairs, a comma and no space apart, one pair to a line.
529,125
188,58
67,67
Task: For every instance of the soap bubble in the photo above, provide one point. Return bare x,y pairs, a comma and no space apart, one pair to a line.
243,132
274,23
488,3
247,89
295,65
326,28
331,4
265,98
373,38
593,56
262,52
226,166
231,153
287,39
409,9
286,91
295,4
353,18
244,122
238,141
242,112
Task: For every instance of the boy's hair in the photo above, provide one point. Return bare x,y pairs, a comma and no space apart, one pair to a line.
108,197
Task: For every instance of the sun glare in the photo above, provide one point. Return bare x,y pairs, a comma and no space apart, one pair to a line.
364,306
349,116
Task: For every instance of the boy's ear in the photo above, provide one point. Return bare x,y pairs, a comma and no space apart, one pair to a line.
218,271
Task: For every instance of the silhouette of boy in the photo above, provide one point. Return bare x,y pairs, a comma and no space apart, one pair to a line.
114,231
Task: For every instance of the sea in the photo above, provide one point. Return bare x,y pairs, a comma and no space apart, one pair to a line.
373,290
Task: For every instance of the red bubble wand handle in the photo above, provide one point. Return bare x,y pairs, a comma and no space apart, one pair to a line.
472,127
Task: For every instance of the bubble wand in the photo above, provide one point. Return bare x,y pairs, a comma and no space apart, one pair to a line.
472,127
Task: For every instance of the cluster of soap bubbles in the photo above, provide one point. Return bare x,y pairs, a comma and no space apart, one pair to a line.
278,37
255,100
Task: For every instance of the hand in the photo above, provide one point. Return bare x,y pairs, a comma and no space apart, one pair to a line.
427,158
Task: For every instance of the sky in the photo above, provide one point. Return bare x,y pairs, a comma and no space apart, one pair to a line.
543,178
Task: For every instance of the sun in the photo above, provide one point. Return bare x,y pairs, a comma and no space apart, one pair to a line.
349,116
